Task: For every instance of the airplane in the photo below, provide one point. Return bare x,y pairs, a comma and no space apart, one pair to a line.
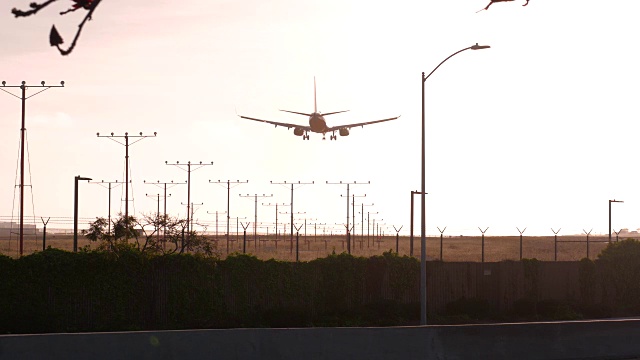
317,123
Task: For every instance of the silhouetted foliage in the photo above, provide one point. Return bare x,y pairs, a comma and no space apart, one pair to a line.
621,262
149,234
54,37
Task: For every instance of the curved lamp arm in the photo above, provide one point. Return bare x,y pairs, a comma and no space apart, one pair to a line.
473,47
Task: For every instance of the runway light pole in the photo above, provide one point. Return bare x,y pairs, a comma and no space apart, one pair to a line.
612,201
423,253
348,234
109,187
229,182
75,211
164,186
126,144
293,187
23,131
188,170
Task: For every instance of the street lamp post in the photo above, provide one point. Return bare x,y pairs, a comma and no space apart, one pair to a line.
612,201
75,211
423,253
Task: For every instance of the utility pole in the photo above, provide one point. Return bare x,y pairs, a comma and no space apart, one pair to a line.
23,132
346,183
165,186
298,184
101,183
255,224
229,182
188,170
126,144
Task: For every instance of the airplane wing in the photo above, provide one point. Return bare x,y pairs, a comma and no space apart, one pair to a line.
288,126
349,126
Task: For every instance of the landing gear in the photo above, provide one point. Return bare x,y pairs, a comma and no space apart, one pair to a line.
333,137
305,137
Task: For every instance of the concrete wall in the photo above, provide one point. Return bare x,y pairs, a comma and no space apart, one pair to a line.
608,339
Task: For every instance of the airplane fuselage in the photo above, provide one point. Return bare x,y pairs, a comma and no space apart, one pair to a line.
317,123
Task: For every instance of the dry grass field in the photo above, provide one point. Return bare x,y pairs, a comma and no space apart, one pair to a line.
467,248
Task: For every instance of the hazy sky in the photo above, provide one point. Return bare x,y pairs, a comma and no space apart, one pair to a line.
539,131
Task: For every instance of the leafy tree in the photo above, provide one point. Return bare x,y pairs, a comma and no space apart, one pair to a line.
54,37
149,234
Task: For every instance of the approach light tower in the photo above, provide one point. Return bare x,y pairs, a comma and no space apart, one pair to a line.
188,170
126,144
347,183
23,131
229,182
298,184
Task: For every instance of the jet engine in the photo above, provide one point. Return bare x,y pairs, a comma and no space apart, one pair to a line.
298,131
344,132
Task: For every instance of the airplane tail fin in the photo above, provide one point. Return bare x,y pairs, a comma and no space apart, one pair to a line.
315,103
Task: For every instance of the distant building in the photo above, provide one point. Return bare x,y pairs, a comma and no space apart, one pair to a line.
9,228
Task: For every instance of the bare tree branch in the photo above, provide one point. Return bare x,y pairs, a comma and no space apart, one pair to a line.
54,37
93,5
35,7
495,1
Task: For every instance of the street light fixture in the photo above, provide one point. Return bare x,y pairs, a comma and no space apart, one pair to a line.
75,211
611,201
423,253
